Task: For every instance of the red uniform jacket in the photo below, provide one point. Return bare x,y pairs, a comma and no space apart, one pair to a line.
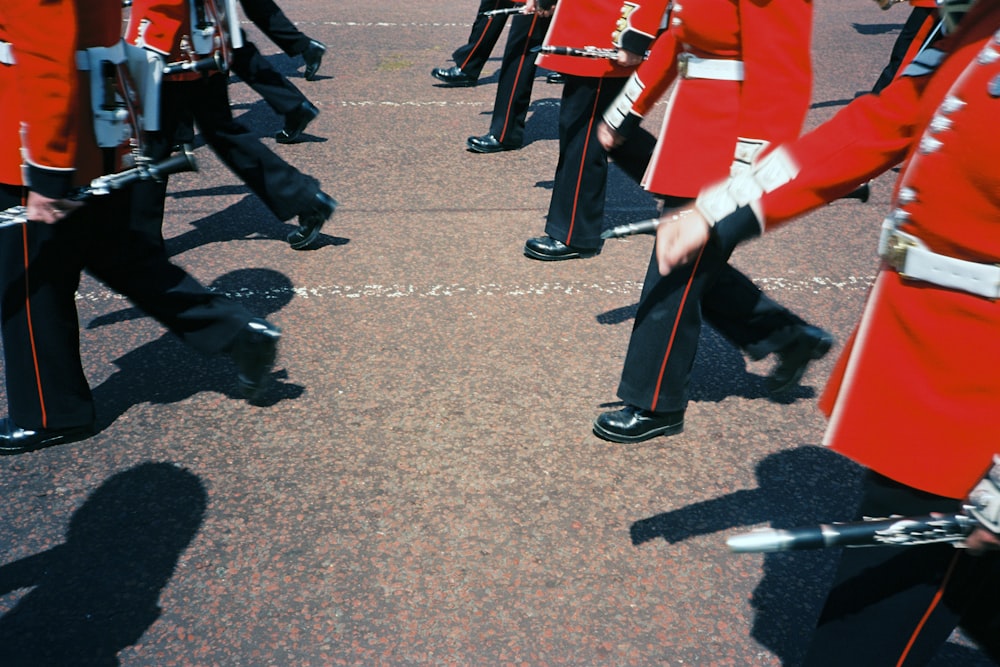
49,98
916,394
605,24
706,116
164,26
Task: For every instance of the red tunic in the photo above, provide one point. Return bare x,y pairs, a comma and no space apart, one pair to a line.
580,23
55,119
706,116
916,394
164,26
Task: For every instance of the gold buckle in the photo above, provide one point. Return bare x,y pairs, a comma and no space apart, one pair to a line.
682,66
895,253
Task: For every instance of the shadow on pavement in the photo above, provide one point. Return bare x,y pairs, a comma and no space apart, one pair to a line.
98,592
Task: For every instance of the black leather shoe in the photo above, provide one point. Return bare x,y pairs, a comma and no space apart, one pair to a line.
453,76
555,77
632,424
311,221
488,144
254,351
549,249
809,344
313,55
14,440
296,122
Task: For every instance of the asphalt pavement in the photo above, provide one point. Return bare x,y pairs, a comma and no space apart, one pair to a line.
421,485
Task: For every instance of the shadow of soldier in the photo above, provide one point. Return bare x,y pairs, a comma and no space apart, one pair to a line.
149,374
98,592
720,369
230,224
798,487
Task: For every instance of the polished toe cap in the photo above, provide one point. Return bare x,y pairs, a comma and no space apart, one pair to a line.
255,350
311,221
15,440
487,144
632,424
549,249
453,76
313,57
296,123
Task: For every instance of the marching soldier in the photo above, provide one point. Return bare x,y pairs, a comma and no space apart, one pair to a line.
61,61
255,70
743,77
471,57
195,92
576,208
268,17
915,395
517,78
921,29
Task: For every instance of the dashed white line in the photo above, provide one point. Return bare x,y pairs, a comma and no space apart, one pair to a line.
814,285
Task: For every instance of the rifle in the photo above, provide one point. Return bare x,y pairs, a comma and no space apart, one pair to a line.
892,531
584,52
102,185
504,12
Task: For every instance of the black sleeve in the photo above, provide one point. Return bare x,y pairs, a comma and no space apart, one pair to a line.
739,226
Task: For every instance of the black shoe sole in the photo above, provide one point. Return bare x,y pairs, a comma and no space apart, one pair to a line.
307,240
255,388
576,254
455,84
611,436
473,148
63,438
285,137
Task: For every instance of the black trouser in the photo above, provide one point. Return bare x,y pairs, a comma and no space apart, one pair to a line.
471,57
273,86
271,21
204,102
668,323
919,16
576,209
898,605
517,78
40,268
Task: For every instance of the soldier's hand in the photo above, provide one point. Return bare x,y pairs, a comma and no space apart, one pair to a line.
981,541
541,7
627,58
680,236
608,138
50,211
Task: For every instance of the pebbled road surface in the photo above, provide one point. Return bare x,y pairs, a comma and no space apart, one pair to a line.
421,486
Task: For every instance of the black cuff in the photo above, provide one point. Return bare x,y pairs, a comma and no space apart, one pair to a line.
629,125
635,42
739,226
48,182
546,5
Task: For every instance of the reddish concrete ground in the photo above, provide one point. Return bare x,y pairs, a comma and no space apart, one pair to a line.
422,485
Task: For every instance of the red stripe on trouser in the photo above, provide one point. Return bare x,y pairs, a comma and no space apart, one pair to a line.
673,331
930,609
583,161
480,40
31,330
520,65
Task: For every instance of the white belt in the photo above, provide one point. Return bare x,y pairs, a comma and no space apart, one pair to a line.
6,53
693,67
910,257
92,57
